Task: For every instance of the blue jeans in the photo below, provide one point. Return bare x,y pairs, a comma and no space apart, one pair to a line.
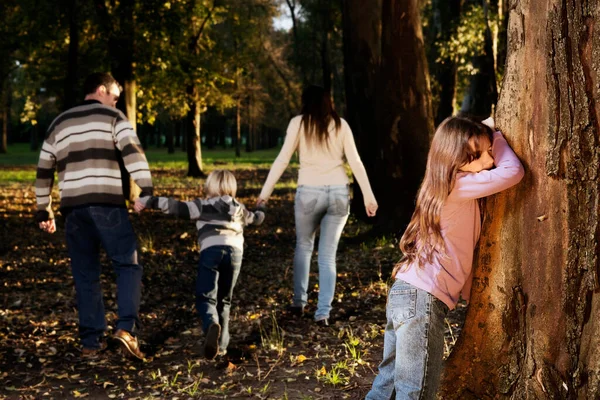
413,345
87,229
314,206
218,270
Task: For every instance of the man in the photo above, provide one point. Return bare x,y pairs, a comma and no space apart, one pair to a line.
81,144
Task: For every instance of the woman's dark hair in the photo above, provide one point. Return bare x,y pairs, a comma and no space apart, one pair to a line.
317,113
93,81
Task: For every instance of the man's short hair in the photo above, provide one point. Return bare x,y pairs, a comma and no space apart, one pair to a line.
97,79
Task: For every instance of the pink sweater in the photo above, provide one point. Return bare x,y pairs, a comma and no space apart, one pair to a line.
320,165
448,277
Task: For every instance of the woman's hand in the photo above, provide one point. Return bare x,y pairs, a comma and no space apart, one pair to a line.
261,203
371,209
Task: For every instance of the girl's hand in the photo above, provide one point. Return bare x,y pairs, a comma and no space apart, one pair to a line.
489,122
138,206
371,209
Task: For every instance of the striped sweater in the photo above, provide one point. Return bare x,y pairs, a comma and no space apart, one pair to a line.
81,144
220,220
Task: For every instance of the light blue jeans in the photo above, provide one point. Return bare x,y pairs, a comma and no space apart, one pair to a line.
413,345
327,207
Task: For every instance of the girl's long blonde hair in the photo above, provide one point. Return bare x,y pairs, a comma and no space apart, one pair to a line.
449,150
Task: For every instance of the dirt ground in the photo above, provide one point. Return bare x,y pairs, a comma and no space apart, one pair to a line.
272,355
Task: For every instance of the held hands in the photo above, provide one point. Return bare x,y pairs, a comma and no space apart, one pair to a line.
48,226
138,206
261,203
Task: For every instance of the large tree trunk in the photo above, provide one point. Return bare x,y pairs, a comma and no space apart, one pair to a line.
362,54
532,330
404,114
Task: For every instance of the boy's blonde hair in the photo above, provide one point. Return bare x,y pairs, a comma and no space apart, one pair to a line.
220,182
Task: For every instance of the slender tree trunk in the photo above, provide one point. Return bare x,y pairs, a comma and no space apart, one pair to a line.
72,64
445,19
194,152
532,331
325,46
362,55
297,56
238,125
5,117
170,136
178,135
404,116
482,94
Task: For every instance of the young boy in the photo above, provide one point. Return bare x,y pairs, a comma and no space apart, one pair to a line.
220,222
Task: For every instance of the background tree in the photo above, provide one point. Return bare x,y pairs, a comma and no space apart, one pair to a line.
531,330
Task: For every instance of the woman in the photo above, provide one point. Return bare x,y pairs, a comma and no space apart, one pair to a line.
322,198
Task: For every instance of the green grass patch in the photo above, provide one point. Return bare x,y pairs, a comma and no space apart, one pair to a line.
20,155
16,175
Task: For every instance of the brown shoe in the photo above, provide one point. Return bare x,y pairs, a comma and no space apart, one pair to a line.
129,343
211,345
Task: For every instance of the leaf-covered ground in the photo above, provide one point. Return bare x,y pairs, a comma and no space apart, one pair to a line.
272,354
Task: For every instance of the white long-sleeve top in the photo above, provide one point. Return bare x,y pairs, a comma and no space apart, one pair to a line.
320,165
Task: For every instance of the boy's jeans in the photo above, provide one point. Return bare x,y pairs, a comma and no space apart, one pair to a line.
413,345
86,229
327,206
218,270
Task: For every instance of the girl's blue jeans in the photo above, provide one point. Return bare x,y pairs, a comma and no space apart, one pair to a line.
327,207
87,229
218,270
413,345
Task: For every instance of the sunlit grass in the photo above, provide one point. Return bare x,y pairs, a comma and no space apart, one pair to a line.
8,176
19,155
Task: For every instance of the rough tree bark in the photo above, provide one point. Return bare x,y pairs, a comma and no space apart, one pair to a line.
531,330
404,115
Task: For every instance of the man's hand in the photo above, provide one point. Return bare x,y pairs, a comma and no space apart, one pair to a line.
138,206
48,226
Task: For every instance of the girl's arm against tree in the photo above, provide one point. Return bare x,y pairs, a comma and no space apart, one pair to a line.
168,205
508,172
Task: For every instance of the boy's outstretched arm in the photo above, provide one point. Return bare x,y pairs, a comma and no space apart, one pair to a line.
182,209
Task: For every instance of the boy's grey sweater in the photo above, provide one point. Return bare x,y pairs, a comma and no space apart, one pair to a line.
220,220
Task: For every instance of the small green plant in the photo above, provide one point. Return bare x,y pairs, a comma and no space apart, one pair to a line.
190,366
352,345
147,242
265,389
155,374
336,375
170,383
273,338
193,389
